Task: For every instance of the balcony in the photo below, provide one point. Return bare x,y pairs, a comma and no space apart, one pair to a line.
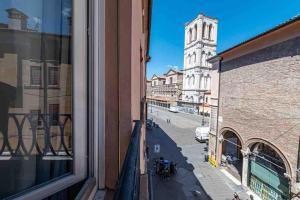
129,181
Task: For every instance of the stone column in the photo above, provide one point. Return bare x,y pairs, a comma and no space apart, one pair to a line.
246,154
245,171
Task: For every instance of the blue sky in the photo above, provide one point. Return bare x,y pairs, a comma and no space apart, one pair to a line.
48,13
238,21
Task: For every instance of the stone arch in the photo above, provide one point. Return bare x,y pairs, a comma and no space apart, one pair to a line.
225,129
230,151
287,164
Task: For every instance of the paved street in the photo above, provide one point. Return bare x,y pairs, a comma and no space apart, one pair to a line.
177,143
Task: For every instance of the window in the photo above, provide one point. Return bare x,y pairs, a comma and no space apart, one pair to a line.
208,82
208,56
195,32
54,114
193,80
205,83
210,32
189,58
195,58
201,82
203,59
36,118
190,35
203,29
171,80
53,76
45,160
35,75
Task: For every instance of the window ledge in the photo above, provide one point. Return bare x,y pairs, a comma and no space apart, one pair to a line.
40,87
100,195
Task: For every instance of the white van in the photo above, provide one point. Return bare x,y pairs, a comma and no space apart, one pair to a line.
202,133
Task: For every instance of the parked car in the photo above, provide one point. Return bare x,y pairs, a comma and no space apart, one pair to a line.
174,109
202,133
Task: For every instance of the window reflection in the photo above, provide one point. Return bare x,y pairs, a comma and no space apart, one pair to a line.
35,93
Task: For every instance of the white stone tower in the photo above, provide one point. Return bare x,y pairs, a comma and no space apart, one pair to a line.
200,44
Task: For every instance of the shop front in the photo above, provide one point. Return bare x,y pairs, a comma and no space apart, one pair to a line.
267,174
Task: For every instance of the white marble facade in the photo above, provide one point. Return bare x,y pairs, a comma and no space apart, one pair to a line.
200,44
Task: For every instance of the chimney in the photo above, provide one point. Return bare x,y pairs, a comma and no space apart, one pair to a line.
17,20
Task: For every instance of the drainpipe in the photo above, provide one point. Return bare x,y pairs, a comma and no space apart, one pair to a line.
217,128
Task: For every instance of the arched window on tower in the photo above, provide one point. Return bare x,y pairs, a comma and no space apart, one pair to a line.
210,32
208,56
188,80
190,35
189,59
205,82
192,99
208,82
193,79
203,58
201,82
194,58
203,29
195,32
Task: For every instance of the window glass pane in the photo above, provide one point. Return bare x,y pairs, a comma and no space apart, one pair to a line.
35,93
53,76
35,75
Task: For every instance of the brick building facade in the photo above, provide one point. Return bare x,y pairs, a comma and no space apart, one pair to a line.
257,109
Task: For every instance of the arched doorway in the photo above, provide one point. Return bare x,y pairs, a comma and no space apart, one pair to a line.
232,158
267,172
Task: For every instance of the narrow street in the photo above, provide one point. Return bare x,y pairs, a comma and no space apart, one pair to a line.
177,143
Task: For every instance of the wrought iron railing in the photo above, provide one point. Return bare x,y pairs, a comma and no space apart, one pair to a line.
129,181
35,134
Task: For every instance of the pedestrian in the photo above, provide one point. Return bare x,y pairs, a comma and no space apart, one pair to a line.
236,196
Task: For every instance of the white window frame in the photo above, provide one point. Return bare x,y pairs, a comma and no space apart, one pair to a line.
98,50
79,109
